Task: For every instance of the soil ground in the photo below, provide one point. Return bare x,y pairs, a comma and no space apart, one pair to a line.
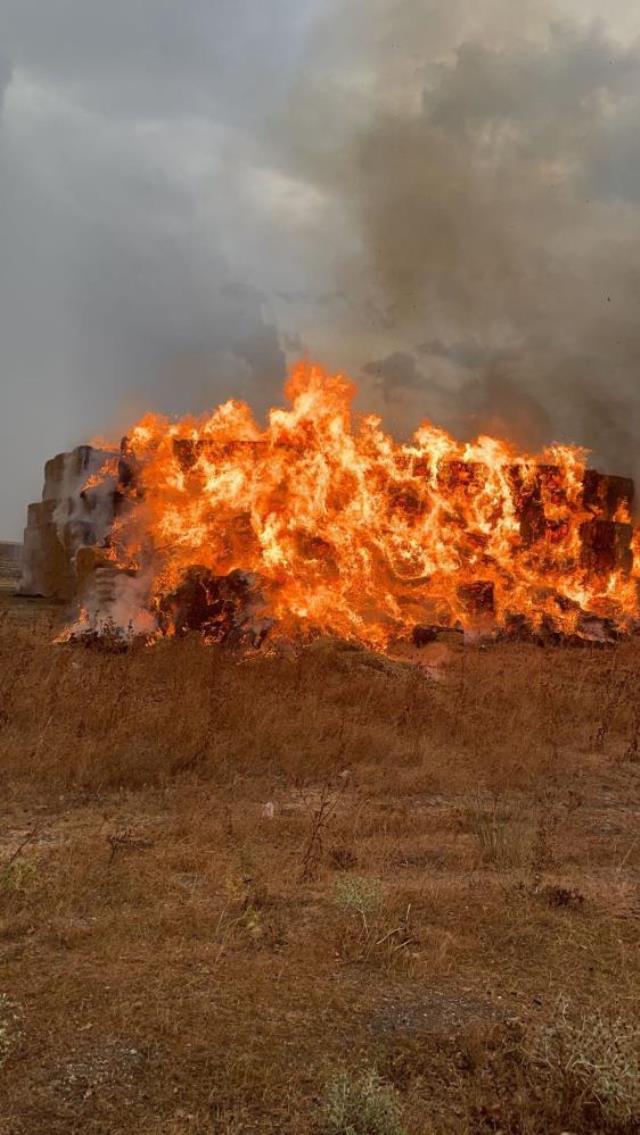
229,884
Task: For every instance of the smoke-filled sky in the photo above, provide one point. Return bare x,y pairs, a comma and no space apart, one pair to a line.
441,197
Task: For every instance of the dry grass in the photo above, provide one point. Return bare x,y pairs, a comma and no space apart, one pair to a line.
231,888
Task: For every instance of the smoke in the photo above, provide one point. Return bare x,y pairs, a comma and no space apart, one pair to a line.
5,77
136,224
495,202
442,198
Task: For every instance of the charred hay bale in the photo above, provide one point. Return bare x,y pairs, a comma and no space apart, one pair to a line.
128,467
607,495
606,546
597,629
405,501
527,498
222,608
422,635
467,476
532,489
425,633
533,523
187,451
477,598
414,465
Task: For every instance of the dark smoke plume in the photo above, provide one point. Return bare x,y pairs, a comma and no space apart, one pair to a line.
497,218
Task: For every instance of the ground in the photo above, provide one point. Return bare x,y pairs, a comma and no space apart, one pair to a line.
248,894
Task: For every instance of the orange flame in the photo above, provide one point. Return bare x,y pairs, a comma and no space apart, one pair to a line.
355,534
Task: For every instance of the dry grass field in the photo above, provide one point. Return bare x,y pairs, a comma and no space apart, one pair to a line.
317,892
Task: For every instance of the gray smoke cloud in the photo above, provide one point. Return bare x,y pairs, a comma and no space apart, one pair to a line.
498,219
441,198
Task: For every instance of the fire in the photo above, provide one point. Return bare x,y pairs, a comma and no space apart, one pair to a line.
347,531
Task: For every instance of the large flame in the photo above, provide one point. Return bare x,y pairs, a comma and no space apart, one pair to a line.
355,534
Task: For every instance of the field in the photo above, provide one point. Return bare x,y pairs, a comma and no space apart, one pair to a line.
317,891
10,570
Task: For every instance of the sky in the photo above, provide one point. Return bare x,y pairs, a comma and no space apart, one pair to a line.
441,198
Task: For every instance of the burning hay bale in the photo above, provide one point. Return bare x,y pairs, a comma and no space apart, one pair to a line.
322,524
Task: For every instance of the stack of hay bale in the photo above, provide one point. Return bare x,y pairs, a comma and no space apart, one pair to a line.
66,519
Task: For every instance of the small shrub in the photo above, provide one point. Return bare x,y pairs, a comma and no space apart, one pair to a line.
17,877
361,1105
504,836
10,1026
359,894
593,1060
373,930
250,916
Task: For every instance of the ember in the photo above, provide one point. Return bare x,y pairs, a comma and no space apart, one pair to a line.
322,522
